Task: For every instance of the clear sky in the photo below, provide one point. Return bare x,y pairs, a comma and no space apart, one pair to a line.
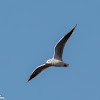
29,30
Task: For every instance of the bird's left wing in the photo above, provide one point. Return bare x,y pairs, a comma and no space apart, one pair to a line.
37,71
61,43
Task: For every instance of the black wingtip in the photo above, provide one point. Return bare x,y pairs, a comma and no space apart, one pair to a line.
73,28
75,25
28,80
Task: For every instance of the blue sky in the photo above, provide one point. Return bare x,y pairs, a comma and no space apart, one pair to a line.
29,30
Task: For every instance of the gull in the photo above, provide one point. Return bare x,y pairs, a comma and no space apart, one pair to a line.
57,58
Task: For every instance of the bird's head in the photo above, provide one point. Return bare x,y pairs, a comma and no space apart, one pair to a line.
49,62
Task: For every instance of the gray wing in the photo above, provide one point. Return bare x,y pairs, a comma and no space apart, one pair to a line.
37,71
60,45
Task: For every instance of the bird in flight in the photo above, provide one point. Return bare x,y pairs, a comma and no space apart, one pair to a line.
57,58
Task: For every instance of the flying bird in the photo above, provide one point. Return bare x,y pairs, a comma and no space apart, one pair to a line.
57,58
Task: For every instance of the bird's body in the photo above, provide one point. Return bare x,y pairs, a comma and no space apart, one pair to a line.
57,58
56,63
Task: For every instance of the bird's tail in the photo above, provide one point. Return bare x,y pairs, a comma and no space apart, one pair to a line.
66,65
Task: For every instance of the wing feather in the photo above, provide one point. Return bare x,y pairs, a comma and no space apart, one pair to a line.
37,71
60,45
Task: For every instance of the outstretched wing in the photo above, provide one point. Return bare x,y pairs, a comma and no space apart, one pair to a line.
60,45
37,71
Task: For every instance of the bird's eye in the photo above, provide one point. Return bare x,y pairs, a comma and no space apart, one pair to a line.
48,60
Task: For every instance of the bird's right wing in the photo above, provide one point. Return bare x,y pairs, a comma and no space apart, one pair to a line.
37,71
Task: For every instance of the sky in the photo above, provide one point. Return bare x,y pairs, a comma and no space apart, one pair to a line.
29,30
